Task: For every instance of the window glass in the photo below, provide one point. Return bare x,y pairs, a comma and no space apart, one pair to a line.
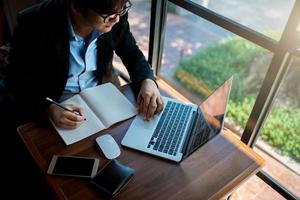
265,16
280,135
199,56
139,20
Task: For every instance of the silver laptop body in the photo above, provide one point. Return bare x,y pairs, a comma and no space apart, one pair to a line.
180,128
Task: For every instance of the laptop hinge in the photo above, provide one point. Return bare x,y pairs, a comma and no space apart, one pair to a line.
189,132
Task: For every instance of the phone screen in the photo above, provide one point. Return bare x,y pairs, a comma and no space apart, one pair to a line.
73,166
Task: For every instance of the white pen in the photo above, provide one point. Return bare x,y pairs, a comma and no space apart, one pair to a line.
52,101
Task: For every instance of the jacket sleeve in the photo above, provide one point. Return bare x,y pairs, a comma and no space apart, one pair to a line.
130,54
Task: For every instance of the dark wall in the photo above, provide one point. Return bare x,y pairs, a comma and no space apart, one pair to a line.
12,7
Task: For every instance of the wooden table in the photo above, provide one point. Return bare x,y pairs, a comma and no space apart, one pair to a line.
211,172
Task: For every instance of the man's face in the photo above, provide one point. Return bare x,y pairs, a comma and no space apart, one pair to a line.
96,21
105,22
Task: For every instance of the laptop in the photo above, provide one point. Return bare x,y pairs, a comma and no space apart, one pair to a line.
180,129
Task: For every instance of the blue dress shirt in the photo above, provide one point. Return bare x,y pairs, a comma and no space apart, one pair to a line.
83,62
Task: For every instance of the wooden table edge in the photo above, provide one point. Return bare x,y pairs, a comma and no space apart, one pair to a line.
243,177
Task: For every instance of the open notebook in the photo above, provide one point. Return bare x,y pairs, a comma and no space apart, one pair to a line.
103,106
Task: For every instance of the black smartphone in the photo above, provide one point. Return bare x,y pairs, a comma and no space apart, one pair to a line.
73,166
112,178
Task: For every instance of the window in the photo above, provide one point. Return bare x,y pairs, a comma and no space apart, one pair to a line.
268,24
267,17
280,136
199,56
139,20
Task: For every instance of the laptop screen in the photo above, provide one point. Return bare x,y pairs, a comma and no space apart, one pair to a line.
210,118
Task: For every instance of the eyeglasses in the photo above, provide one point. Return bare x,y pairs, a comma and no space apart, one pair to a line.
112,17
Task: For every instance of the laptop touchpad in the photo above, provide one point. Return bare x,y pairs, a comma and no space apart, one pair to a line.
140,122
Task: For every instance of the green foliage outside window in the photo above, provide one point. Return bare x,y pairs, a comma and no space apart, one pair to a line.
215,63
280,130
205,70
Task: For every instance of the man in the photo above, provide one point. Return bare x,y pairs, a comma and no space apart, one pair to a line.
61,47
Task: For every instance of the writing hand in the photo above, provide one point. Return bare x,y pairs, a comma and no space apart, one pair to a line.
149,101
66,119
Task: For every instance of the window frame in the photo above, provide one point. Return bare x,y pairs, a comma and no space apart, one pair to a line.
283,52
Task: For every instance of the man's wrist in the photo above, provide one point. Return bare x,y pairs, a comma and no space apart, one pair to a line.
149,79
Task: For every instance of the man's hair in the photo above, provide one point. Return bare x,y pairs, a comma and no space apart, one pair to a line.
101,6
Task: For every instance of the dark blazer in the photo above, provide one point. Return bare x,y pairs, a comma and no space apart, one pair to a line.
39,62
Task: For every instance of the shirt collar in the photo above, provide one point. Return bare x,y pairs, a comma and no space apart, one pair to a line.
74,36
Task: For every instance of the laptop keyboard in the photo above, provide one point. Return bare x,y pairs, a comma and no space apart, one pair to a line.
169,131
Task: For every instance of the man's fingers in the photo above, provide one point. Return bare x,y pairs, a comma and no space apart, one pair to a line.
149,100
140,104
151,108
139,99
80,111
69,115
160,105
77,109
146,101
68,123
70,120
66,119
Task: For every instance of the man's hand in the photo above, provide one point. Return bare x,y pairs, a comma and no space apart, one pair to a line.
65,119
149,101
